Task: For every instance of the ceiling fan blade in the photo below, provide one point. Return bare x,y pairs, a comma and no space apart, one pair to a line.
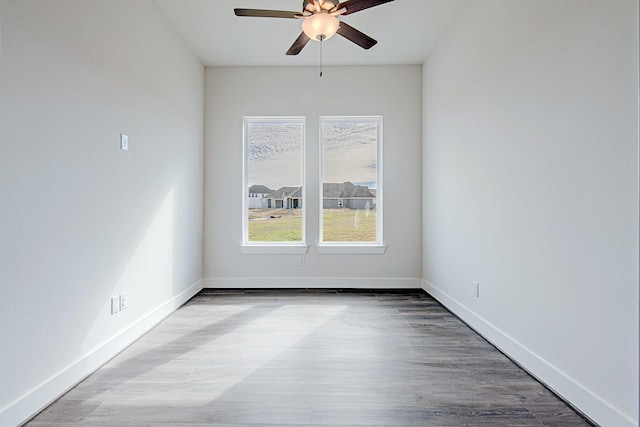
354,6
358,37
260,13
298,45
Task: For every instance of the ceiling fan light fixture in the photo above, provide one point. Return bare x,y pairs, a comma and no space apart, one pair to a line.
320,26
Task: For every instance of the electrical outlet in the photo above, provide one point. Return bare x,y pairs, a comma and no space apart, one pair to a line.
115,305
476,289
302,261
123,302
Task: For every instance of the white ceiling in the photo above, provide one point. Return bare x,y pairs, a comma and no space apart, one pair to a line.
406,30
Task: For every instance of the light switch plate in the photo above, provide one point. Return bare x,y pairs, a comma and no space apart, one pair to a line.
115,304
124,142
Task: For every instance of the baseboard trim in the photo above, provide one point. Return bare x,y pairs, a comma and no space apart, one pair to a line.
312,282
582,399
25,407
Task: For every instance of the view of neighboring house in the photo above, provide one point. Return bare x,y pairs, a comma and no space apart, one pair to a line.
347,195
256,195
334,196
284,197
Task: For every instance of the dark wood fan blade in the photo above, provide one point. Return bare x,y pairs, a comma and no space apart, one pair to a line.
260,13
358,37
354,6
298,45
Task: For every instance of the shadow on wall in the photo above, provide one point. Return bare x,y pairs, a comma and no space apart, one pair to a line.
148,273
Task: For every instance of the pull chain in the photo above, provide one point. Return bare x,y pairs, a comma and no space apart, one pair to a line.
321,40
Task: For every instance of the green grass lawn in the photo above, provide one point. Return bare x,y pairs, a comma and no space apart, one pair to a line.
348,225
340,225
286,226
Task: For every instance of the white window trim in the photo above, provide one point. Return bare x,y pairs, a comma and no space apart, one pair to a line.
248,247
378,246
282,248
351,248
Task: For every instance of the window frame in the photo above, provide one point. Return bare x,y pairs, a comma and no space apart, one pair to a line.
377,247
284,247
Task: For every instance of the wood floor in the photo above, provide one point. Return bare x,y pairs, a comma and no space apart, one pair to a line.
310,358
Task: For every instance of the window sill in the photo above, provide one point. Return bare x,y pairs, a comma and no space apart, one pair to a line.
274,249
352,249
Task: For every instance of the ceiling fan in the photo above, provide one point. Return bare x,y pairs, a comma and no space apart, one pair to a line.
320,21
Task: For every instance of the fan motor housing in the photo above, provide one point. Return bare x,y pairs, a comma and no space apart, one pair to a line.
306,2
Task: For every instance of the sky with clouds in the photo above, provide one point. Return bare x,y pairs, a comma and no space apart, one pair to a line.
349,152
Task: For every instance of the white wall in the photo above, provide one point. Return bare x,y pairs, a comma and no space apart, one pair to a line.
80,220
393,92
530,183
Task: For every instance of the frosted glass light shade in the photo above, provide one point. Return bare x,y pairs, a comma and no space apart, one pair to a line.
320,26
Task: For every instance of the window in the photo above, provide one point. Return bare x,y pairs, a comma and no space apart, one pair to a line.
351,178
273,181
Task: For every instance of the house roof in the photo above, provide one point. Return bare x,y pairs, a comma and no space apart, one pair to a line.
297,194
345,190
283,192
259,189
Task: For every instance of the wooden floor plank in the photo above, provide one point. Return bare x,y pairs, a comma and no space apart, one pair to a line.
249,358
